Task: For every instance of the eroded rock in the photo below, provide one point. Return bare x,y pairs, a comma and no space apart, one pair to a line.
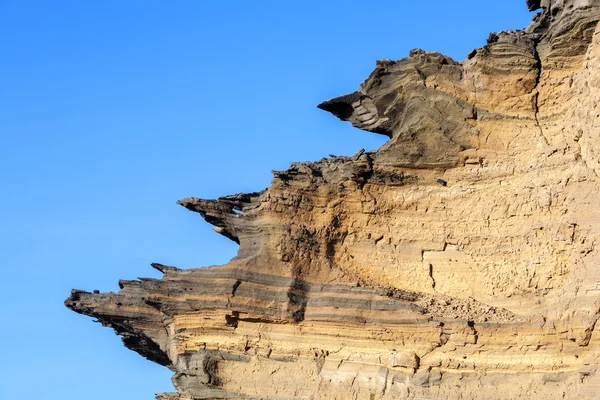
457,261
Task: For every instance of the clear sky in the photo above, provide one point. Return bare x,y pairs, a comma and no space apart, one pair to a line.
111,110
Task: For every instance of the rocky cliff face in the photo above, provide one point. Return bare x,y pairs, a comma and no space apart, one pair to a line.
459,261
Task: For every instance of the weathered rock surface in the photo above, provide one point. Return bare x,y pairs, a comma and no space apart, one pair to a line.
459,261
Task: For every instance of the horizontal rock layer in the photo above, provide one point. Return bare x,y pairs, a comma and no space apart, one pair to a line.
457,261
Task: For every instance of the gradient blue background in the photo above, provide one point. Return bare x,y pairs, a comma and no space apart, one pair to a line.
112,110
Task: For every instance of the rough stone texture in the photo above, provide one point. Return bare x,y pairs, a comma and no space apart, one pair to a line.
459,261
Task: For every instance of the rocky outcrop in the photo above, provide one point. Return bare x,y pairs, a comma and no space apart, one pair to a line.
459,260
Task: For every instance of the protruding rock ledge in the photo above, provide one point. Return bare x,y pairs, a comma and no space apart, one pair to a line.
223,213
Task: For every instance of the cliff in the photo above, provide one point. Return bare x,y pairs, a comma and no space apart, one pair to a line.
458,261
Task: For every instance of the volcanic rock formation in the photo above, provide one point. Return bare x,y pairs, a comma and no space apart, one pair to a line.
459,261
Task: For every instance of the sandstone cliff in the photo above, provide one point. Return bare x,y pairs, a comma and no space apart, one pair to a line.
459,261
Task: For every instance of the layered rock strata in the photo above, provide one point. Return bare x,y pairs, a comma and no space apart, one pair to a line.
459,261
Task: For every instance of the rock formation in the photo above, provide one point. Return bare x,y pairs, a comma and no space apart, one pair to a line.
459,261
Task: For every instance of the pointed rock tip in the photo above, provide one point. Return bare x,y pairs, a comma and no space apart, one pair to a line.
341,106
163,268
187,201
71,301
534,5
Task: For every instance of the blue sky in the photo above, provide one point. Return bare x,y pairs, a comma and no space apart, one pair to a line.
112,110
